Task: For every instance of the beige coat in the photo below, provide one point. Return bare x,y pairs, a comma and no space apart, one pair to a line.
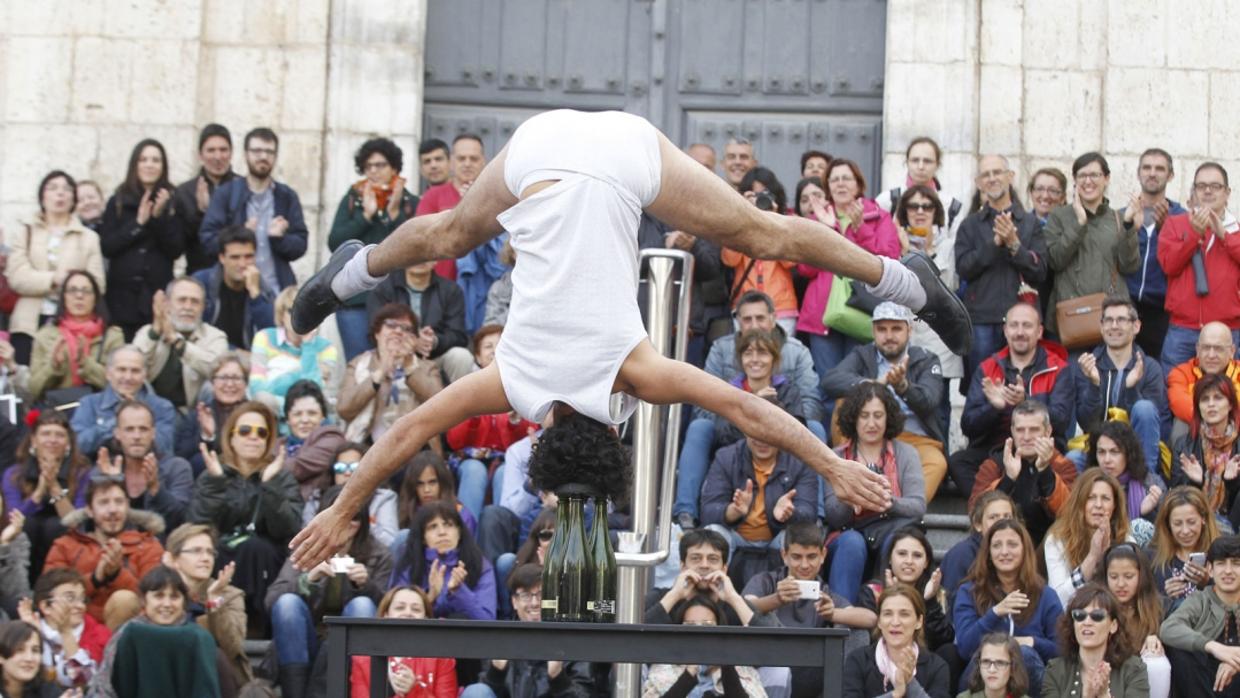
46,373
31,276
202,348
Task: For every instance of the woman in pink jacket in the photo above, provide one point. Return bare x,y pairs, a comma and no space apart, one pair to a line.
845,210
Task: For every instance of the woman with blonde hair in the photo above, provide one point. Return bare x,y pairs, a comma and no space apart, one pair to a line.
1095,516
1184,527
279,357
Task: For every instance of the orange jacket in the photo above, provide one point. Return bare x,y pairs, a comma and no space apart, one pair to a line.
1180,386
79,550
770,277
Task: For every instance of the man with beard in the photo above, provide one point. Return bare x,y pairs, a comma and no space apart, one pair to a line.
998,249
160,483
269,209
912,374
193,196
1028,367
1148,285
178,347
111,546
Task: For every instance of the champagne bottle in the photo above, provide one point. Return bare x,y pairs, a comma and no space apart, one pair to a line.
602,604
576,570
553,563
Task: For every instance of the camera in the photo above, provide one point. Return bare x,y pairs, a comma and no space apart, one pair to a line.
764,202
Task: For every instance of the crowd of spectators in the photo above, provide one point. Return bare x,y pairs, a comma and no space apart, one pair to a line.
174,433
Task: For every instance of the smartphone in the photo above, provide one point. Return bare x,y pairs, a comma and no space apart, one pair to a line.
1198,559
810,589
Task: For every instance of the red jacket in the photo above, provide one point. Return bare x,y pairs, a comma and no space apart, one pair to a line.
433,678
493,431
81,551
1176,244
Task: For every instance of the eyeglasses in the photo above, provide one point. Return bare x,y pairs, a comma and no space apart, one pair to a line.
1097,615
376,165
842,178
79,291
1088,176
1120,320
546,535
1214,348
246,430
993,664
71,599
209,552
992,174
340,468
920,206
269,152
526,597
398,326
1048,191
1212,187
229,379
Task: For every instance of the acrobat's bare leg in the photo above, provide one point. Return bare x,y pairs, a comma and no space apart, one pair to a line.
660,380
478,393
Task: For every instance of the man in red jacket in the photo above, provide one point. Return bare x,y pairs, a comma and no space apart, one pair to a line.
468,159
1200,253
111,546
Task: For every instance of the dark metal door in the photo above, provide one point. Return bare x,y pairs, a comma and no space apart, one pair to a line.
788,75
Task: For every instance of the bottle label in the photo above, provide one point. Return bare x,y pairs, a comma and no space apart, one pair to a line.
607,606
551,604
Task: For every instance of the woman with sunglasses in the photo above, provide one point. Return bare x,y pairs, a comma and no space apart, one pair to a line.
345,461
1094,661
250,497
383,384
72,350
351,584
998,671
1126,573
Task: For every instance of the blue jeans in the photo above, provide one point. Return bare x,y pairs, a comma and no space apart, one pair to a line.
471,485
695,461
292,626
354,331
828,350
846,556
735,541
477,690
987,339
1147,424
503,567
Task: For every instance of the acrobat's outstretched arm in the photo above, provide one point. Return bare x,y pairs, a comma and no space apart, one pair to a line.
478,393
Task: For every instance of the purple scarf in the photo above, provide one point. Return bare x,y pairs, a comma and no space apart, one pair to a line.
1136,494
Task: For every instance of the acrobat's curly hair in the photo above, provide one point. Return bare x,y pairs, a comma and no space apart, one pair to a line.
580,450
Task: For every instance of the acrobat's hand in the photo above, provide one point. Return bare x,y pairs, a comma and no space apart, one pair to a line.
858,485
327,533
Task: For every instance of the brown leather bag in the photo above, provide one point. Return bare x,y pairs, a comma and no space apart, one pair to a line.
1080,319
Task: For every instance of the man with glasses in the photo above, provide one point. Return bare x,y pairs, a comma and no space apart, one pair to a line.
158,482
1086,245
440,307
269,209
94,420
1118,374
1216,348
1148,286
111,546
530,677
60,599
999,249
180,348
1200,253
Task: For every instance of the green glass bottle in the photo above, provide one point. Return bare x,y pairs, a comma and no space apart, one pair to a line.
576,568
602,604
553,563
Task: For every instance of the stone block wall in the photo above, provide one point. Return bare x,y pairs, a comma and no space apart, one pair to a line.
82,81
1042,81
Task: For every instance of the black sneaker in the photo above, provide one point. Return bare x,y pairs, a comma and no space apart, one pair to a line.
315,300
944,312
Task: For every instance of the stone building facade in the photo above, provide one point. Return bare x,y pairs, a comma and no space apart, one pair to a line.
1040,81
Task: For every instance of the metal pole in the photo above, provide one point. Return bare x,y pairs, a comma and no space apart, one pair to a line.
638,550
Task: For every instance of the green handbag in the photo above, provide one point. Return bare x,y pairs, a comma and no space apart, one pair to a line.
842,318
